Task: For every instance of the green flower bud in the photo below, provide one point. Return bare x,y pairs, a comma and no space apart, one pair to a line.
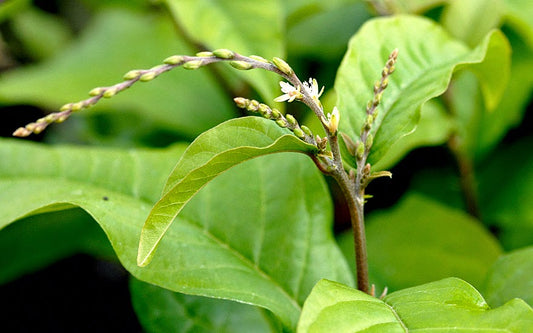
132,75
282,66
264,110
66,107
369,141
360,152
193,64
174,60
110,93
291,120
204,54
281,123
306,130
276,114
253,105
21,132
50,118
96,91
224,53
62,118
77,106
241,102
148,76
258,58
368,122
242,65
299,133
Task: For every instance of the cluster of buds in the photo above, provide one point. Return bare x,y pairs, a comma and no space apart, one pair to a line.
144,75
285,121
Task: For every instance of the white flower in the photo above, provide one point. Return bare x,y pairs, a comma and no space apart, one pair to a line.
312,89
333,120
289,93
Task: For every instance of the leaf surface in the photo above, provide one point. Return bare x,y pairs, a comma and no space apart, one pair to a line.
212,153
449,305
264,242
426,62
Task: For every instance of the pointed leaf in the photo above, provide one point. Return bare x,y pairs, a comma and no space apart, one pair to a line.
265,242
426,61
212,153
449,305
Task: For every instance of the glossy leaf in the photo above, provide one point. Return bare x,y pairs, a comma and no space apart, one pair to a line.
511,276
110,46
444,306
212,153
161,310
421,240
265,242
426,62
248,28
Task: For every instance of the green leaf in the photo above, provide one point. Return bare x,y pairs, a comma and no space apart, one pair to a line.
406,6
248,28
510,277
265,242
161,310
471,20
421,240
212,153
110,46
426,62
449,305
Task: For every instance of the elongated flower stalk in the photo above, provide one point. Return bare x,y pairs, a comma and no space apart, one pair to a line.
352,183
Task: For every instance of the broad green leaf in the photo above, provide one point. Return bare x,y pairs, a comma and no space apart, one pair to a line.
471,20
246,27
212,153
426,62
421,240
40,240
160,310
449,305
506,192
265,242
115,42
511,276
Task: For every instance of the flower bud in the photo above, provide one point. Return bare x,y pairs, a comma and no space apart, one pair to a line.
360,152
110,92
282,66
77,106
21,132
253,105
132,75
291,120
174,60
369,141
193,64
241,102
66,107
299,133
281,123
96,91
224,53
242,65
334,120
306,130
276,114
148,76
